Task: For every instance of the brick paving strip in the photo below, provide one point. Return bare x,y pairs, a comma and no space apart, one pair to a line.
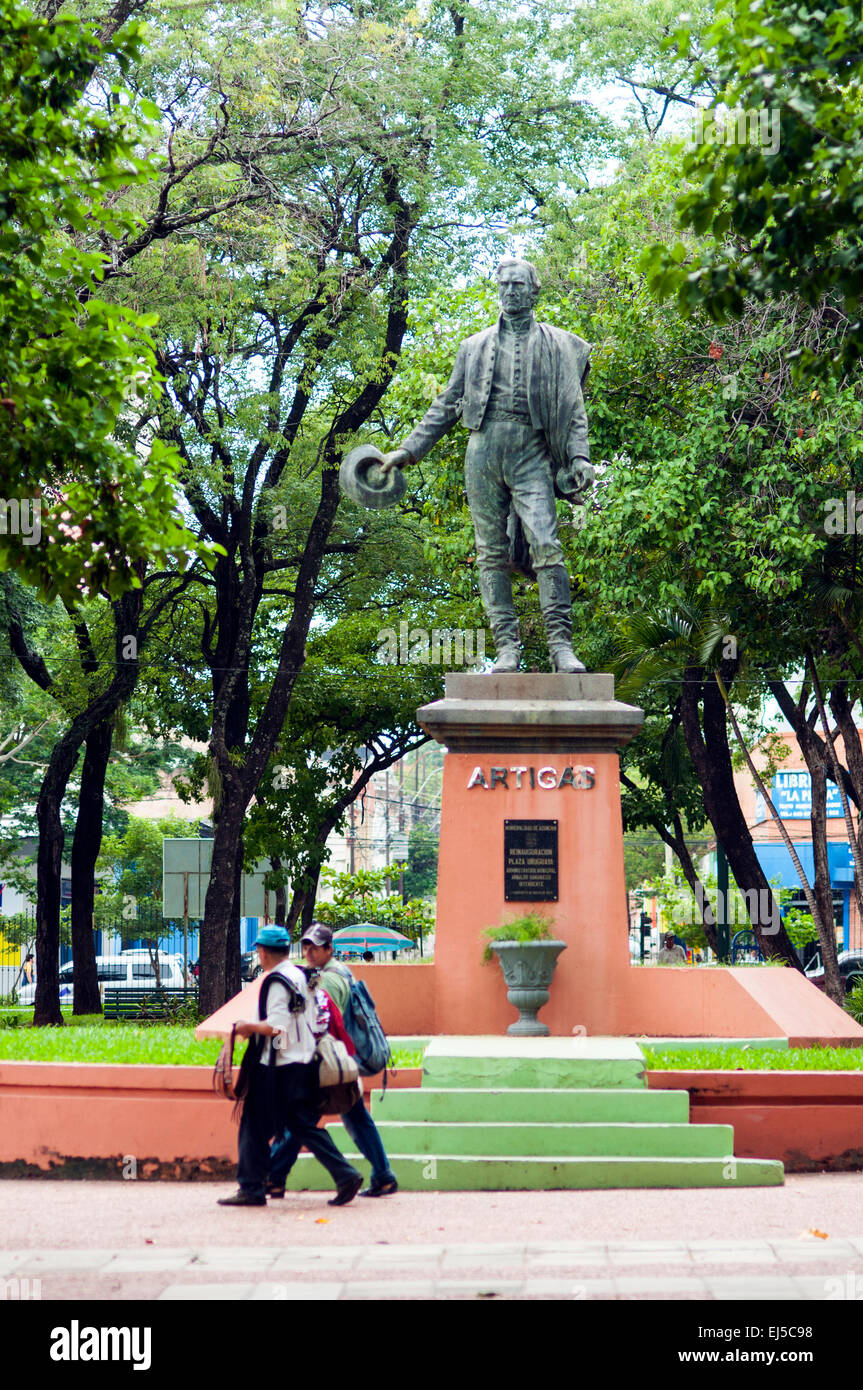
702,1270
170,1242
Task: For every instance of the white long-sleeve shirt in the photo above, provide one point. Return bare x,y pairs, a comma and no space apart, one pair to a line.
295,1040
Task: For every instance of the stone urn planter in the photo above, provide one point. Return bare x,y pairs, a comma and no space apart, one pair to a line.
528,967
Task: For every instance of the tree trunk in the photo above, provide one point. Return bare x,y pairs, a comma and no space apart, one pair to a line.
221,912
298,898
821,884
49,859
711,757
127,612
86,844
843,714
280,913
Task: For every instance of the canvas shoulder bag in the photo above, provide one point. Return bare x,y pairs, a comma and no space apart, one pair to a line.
335,1064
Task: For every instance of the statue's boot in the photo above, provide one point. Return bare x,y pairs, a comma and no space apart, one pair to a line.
496,589
555,601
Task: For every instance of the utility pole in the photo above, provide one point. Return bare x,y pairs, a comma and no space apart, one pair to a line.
722,934
387,825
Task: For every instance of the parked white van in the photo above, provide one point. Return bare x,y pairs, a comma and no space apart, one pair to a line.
130,970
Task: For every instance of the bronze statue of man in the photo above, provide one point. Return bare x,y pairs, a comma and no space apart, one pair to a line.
517,388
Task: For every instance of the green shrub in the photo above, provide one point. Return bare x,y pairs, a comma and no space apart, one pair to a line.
736,1057
854,1002
529,927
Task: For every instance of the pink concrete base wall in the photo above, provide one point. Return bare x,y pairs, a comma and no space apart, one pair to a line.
654,1001
404,997
55,1115
812,1121
80,1120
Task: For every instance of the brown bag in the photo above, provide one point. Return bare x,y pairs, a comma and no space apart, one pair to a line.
338,1099
223,1071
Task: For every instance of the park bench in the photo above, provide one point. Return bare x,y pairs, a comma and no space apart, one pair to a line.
147,1003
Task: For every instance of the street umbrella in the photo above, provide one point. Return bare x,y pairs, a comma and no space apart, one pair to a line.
367,936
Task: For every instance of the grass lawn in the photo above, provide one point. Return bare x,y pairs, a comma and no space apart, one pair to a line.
97,1040
719,1058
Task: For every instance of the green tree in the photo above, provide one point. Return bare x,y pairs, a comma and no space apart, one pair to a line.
780,213
131,906
71,364
284,325
421,873
363,897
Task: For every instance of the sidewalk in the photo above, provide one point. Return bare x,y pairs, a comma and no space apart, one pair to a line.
170,1241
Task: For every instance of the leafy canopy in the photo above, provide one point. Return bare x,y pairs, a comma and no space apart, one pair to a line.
780,213
71,365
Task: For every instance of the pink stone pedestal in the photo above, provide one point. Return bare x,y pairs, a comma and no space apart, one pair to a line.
544,725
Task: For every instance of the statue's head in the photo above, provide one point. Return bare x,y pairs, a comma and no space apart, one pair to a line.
518,284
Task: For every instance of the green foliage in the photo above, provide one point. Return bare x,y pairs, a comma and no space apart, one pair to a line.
530,926
679,911
717,1057
641,861
131,905
421,873
854,1001
362,897
780,215
799,925
70,363
349,715
95,1040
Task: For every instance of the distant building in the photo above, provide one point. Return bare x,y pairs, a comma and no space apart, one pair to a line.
791,793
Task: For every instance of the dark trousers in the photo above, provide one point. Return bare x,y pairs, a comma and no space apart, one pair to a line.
361,1129
275,1103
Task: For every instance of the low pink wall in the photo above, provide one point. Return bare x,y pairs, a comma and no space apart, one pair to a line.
79,1120
404,997
812,1121
655,1001
91,1119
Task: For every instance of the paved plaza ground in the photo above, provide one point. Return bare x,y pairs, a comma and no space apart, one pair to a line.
142,1241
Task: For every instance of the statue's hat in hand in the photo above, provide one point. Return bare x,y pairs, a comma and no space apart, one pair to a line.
362,478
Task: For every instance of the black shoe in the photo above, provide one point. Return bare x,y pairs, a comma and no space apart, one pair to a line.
381,1189
347,1192
275,1189
242,1199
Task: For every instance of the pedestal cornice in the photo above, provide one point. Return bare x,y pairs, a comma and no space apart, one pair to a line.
525,712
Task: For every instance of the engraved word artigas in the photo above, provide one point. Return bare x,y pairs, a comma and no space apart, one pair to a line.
548,778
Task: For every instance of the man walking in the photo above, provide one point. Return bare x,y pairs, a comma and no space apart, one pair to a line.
282,1082
671,953
517,388
335,979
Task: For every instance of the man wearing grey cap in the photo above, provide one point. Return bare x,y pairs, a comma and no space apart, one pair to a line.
335,979
281,1079
517,386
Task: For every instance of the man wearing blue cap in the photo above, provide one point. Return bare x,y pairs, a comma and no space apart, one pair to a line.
281,1079
336,980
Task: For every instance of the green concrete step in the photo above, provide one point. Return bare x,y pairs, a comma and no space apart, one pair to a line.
540,1140
612,1105
545,1063
485,1173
